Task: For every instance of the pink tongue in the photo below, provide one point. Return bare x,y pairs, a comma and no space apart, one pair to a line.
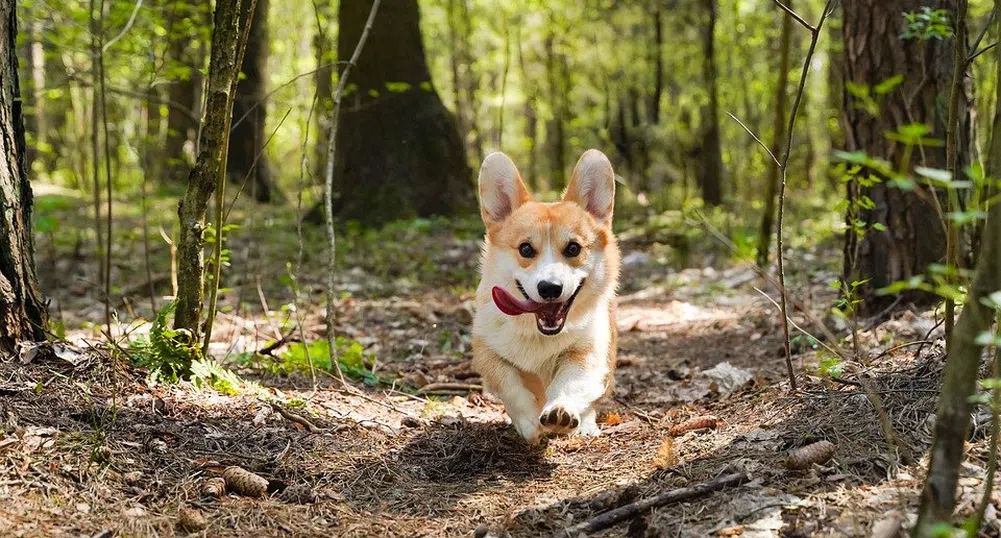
512,306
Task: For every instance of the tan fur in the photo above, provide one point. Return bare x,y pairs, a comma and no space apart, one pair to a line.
576,367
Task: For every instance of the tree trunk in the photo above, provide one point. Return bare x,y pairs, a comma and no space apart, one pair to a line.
246,141
185,91
210,165
22,313
471,84
657,58
35,119
914,235
399,152
530,113
325,57
555,127
709,169
938,499
778,138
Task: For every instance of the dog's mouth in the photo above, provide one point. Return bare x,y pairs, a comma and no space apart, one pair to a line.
549,317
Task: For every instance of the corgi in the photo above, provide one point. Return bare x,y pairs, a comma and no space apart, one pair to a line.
544,333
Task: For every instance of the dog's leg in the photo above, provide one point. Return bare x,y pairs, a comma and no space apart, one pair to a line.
515,389
580,380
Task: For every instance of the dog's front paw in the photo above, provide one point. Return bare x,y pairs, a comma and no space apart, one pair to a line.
558,418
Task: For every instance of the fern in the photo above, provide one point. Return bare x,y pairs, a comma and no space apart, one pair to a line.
168,353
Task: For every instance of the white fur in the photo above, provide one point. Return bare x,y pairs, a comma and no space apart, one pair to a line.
519,342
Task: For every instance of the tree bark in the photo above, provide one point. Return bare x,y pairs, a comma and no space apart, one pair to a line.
709,169
938,499
210,165
247,138
185,90
914,235
325,57
555,127
530,114
657,58
22,313
778,137
399,152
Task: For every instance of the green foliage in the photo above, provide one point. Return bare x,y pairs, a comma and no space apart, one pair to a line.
168,353
297,357
171,356
927,23
831,366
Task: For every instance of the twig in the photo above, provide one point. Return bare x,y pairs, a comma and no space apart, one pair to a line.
799,19
298,419
981,51
755,137
980,38
125,30
436,387
328,195
901,346
615,516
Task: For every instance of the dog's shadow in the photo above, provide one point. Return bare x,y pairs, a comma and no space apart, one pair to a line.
450,450
444,462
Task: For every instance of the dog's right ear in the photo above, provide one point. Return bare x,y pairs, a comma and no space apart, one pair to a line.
501,189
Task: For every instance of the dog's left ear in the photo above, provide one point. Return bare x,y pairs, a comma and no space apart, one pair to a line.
592,186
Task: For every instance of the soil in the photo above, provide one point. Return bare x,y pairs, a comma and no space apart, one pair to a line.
90,446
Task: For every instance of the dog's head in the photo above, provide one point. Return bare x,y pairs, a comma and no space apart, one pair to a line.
542,258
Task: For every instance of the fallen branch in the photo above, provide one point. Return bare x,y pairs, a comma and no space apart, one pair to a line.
615,516
298,419
439,387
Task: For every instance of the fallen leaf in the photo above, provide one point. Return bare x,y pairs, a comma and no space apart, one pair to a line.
665,458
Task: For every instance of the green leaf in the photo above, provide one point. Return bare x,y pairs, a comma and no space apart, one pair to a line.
888,85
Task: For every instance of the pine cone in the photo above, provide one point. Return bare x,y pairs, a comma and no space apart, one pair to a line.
244,482
191,519
818,452
700,423
214,487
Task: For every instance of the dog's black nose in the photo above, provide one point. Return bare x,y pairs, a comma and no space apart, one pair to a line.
550,290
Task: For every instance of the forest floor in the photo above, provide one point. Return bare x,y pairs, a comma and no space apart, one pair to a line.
87,449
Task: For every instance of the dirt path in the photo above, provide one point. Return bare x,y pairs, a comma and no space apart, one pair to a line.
90,451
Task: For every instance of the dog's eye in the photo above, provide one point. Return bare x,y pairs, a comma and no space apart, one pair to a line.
572,250
526,250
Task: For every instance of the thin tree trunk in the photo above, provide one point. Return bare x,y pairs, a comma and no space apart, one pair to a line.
456,57
778,136
952,420
657,56
185,91
555,129
710,167
22,313
471,82
529,112
210,167
325,57
246,153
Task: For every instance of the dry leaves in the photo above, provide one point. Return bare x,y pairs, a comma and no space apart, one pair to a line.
665,458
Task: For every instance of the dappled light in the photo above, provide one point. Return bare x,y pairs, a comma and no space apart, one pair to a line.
499,268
